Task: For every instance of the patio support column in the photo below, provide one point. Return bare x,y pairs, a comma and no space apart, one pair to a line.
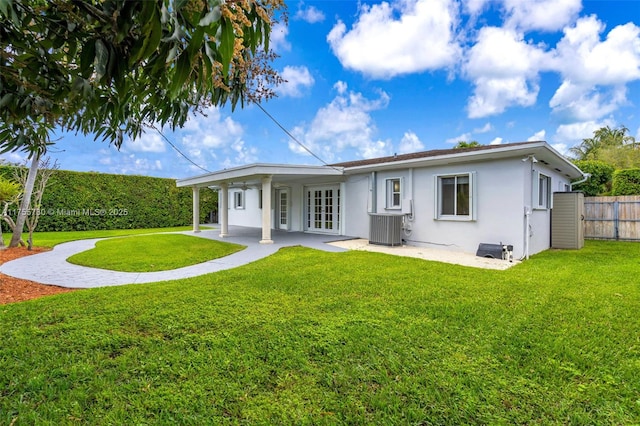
266,211
196,209
223,209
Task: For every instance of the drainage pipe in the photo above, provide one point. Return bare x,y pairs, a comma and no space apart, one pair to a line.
527,235
585,176
374,192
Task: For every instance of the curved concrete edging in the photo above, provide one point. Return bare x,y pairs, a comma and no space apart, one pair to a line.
52,268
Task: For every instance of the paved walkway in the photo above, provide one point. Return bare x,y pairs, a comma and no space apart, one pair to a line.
52,267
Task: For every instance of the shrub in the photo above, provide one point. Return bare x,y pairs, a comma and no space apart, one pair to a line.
626,182
90,201
600,181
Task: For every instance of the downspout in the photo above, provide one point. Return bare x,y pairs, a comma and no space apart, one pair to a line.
585,177
527,224
374,192
527,209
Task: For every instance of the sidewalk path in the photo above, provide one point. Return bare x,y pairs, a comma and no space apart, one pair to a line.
51,267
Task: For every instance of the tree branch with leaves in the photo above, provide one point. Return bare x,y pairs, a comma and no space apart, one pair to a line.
110,68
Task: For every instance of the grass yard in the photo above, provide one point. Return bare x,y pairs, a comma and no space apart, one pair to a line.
151,253
308,337
50,239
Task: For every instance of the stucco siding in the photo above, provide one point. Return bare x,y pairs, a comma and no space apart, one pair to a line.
250,215
540,221
357,204
499,211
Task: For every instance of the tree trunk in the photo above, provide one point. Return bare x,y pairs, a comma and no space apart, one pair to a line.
2,246
26,201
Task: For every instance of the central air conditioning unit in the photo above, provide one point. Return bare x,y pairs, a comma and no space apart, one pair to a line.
385,229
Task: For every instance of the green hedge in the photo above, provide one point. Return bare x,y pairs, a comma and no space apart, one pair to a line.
600,181
626,182
89,201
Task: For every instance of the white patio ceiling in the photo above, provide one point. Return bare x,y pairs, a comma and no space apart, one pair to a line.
252,174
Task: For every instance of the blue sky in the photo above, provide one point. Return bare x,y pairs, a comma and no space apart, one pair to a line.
368,79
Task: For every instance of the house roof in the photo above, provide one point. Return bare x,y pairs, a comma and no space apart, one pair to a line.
541,150
252,174
427,154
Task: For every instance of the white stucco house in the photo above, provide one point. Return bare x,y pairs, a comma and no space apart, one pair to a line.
452,199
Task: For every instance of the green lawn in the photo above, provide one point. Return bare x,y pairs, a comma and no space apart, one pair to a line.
150,253
50,239
308,337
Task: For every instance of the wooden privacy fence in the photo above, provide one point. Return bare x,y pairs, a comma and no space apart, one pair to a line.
612,218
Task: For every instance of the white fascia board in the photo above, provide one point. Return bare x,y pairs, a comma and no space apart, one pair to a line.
542,149
257,171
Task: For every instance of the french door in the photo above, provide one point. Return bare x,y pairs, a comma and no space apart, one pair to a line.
283,209
323,209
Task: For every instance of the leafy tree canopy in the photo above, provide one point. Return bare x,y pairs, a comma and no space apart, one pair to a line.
110,67
626,182
465,144
605,143
599,183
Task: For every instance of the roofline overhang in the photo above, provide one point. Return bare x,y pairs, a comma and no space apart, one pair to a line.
572,171
258,170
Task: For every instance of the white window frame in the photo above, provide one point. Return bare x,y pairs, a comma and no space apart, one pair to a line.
472,216
238,200
541,193
260,199
390,204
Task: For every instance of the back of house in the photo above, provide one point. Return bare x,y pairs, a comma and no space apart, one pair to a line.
451,199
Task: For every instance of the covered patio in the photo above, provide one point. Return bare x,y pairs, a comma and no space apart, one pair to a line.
264,177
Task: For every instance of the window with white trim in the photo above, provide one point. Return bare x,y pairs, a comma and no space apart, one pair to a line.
394,193
238,200
455,196
544,191
260,199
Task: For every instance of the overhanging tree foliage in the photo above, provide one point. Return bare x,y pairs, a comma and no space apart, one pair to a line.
111,67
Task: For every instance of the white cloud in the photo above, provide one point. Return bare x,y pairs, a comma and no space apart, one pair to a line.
586,103
504,69
544,15
537,136
14,157
572,134
149,141
496,141
297,79
402,37
345,123
105,157
241,154
583,58
562,148
594,72
410,143
484,129
131,164
309,14
474,7
341,87
638,135
466,137
278,38
214,139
